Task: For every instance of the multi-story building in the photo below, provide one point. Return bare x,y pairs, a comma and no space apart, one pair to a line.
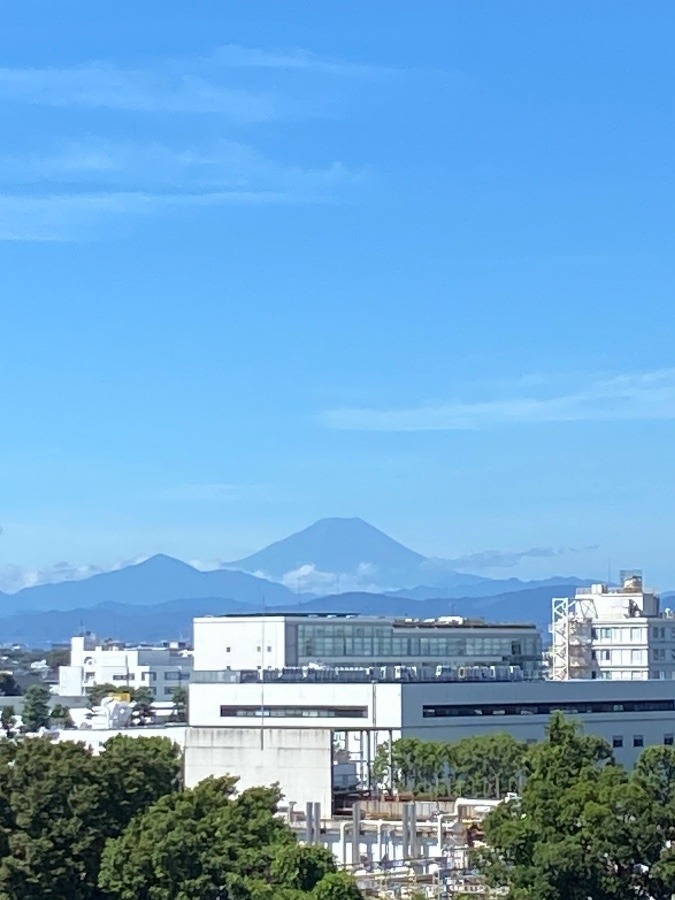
261,642
160,668
301,728
613,633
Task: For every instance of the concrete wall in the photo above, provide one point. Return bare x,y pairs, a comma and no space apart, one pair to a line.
299,759
381,702
246,642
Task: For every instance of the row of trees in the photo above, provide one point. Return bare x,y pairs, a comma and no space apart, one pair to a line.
486,766
583,827
117,827
580,827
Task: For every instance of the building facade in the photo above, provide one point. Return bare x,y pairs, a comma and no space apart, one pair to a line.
92,662
301,732
264,642
613,633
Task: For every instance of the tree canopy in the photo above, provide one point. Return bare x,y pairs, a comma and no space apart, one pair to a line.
59,804
208,844
478,766
9,687
35,713
583,827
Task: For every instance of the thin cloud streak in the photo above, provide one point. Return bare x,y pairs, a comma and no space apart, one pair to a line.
633,397
127,165
500,559
104,85
236,56
192,85
67,217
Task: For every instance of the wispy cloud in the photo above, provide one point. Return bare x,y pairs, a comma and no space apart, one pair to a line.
60,196
500,559
633,397
130,165
105,85
195,84
65,193
295,60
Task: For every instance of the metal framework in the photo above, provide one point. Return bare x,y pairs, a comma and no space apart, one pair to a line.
572,634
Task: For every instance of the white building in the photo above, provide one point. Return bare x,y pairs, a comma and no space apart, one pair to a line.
264,642
613,633
162,669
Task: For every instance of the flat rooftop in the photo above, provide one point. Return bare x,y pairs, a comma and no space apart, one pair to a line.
395,621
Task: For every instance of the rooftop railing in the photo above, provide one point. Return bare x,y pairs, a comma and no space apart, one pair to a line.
367,675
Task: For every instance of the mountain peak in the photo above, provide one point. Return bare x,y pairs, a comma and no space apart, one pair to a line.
333,545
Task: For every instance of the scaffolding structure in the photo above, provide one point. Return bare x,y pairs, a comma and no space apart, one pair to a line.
572,632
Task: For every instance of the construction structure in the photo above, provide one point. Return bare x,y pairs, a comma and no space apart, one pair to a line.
612,633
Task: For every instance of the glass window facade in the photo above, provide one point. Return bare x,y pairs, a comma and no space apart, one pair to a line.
382,644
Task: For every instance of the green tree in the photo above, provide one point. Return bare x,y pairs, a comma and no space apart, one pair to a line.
138,771
59,804
337,886
35,713
489,765
8,720
143,699
301,867
60,716
582,827
8,685
207,844
479,766
59,656
180,698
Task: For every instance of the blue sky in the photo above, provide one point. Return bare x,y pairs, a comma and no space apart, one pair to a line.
267,262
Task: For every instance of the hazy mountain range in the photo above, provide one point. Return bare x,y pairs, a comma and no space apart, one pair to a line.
350,565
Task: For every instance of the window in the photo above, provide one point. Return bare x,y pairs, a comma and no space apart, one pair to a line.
668,740
636,635
545,709
176,676
269,648
604,655
258,648
124,678
659,654
295,712
617,741
638,740
228,649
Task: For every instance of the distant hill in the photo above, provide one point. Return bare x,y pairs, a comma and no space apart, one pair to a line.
173,619
488,587
155,580
340,546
